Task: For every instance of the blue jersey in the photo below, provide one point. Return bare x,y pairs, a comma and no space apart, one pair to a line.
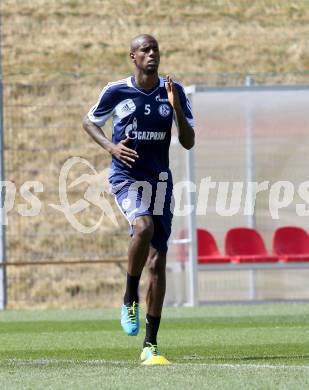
145,117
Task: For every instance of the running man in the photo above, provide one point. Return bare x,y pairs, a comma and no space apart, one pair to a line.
143,107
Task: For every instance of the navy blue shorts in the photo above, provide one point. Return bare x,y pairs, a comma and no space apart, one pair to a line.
136,199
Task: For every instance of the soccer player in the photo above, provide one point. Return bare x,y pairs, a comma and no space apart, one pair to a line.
143,107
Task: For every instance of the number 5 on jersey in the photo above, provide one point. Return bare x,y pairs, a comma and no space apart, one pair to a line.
147,109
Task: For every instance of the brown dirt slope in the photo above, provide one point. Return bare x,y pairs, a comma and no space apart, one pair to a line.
197,37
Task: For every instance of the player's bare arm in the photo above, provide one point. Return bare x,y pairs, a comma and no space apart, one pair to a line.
120,150
185,131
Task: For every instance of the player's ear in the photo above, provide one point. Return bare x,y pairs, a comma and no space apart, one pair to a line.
132,56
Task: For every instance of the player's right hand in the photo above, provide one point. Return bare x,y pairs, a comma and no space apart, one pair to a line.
123,153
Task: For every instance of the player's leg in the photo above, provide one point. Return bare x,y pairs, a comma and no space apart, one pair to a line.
129,199
137,256
156,285
155,293
155,297
157,263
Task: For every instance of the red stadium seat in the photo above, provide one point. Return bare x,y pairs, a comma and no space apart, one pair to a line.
291,243
207,249
245,245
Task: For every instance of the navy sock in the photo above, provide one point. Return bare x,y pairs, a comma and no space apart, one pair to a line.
152,327
131,294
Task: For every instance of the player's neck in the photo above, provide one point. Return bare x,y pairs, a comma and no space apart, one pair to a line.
146,81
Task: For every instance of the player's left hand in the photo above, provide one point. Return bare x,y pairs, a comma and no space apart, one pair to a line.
172,93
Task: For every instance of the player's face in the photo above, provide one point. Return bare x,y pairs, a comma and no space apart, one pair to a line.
147,56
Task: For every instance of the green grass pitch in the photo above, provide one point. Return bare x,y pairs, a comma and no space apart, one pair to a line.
211,347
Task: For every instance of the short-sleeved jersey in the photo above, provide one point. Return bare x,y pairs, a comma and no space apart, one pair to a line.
145,117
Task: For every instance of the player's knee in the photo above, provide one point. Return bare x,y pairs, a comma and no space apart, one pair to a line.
144,228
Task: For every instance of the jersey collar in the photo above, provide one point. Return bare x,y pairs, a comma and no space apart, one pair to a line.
131,83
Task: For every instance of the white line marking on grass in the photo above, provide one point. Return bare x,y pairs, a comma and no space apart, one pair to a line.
43,362
245,365
99,362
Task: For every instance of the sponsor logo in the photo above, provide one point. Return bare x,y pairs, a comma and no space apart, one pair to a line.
130,130
150,135
125,108
129,106
161,100
164,110
132,133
